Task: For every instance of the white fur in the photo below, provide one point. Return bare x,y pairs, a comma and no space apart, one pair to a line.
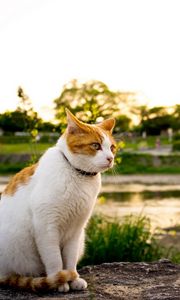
42,224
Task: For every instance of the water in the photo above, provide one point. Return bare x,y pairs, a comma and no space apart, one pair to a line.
161,203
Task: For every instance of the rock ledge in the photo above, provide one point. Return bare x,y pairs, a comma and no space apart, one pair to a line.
156,281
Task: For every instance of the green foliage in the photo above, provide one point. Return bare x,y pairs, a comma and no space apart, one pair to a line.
136,142
176,145
174,255
26,108
24,118
12,121
176,117
125,162
155,125
48,127
157,119
11,168
91,101
128,240
23,148
122,123
15,121
6,140
9,139
11,159
31,119
176,137
132,163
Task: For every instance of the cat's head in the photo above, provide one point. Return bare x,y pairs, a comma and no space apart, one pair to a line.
89,147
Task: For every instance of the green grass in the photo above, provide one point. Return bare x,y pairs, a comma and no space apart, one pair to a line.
128,240
150,142
19,145
174,256
23,148
133,163
9,164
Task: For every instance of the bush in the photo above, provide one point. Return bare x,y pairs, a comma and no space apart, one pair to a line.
11,168
176,145
176,137
109,241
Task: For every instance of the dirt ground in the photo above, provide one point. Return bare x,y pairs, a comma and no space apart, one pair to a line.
148,281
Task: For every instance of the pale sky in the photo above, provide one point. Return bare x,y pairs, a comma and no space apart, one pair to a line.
130,45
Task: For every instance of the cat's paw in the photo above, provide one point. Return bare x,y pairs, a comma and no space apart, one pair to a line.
78,284
63,288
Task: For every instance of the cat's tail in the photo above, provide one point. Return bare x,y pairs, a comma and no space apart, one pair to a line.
38,283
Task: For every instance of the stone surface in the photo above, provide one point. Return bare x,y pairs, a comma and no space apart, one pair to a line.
155,281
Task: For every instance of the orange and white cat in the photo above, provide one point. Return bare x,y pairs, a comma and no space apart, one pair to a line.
45,208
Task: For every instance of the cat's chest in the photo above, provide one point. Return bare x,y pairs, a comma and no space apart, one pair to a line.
72,187
78,199
81,193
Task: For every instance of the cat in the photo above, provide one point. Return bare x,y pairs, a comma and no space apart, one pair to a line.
45,208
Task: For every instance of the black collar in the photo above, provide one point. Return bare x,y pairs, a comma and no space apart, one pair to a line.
81,172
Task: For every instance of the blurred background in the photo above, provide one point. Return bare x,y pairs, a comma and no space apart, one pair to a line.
100,59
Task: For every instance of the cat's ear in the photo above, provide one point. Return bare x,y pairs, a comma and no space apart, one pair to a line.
107,125
73,124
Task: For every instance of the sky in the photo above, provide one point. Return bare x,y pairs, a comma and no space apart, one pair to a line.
131,45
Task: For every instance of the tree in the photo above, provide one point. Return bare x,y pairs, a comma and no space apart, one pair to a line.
176,117
24,118
122,124
31,119
154,120
91,101
13,121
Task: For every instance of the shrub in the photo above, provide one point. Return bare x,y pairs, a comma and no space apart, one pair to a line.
11,168
176,145
176,137
109,241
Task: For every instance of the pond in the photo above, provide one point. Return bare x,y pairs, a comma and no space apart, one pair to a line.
159,202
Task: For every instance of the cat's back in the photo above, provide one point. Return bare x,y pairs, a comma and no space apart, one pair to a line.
14,202
19,180
22,184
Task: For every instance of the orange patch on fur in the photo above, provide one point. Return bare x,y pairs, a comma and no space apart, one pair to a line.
80,136
80,142
19,179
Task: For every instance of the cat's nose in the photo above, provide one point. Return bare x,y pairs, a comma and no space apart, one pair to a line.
109,158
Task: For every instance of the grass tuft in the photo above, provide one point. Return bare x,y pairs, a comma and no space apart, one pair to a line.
128,240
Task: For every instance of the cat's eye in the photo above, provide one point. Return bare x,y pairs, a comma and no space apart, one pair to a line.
113,148
96,146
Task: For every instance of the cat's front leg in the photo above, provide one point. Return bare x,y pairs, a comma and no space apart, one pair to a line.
72,251
47,241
